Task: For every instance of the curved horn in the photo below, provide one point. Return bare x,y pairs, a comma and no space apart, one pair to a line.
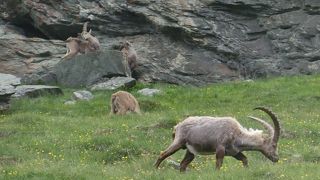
85,26
265,124
275,122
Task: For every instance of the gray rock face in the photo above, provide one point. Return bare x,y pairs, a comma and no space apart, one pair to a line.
6,91
182,42
82,95
115,83
149,92
8,79
87,69
28,57
36,91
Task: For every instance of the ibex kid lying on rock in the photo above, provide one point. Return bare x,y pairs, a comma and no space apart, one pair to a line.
223,136
75,46
123,102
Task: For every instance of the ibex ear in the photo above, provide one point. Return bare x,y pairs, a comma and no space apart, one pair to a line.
90,31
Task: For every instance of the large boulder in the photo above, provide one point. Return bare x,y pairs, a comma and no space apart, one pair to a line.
85,70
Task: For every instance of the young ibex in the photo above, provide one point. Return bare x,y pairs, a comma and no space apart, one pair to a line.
75,46
94,43
84,43
123,102
223,136
129,54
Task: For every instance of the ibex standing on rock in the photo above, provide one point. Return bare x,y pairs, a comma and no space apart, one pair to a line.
94,43
223,136
129,54
123,102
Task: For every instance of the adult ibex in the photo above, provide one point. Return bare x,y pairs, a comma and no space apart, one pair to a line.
223,136
94,43
123,102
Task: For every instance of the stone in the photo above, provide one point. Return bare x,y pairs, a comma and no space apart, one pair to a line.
6,91
149,92
36,91
114,83
82,95
8,79
87,69
173,164
70,102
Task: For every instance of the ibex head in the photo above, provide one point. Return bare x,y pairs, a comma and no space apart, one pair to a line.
125,45
85,34
269,147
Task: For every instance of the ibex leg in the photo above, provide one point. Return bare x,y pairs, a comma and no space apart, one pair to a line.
186,160
220,151
241,157
174,147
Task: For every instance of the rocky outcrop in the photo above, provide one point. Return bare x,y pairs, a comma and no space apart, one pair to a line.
36,91
183,42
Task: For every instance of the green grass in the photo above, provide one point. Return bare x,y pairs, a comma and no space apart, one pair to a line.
44,139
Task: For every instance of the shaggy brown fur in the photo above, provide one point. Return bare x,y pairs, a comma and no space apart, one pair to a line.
75,46
84,43
129,54
123,102
94,43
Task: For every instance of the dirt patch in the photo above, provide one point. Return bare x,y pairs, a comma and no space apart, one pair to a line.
147,105
162,124
4,134
313,159
8,160
288,134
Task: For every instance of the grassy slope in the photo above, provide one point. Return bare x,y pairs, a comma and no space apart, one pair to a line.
44,139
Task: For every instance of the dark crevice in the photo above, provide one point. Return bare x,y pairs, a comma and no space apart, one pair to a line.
241,9
127,23
26,24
